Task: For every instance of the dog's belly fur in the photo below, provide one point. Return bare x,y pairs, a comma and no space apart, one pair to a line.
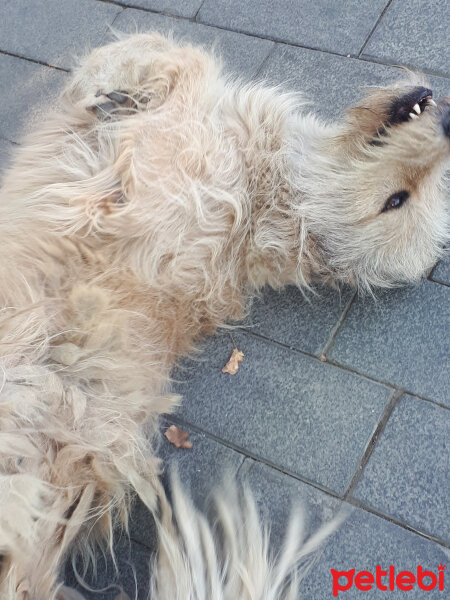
95,318
126,239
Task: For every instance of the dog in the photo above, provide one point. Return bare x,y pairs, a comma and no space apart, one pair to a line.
145,213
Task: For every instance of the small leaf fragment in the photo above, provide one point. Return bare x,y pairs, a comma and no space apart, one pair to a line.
232,366
177,437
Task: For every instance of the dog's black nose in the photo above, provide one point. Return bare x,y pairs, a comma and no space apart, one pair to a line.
446,120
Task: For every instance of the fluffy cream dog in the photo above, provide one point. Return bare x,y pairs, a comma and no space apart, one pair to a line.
142,216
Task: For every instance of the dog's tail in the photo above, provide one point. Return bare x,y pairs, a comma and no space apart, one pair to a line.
226,553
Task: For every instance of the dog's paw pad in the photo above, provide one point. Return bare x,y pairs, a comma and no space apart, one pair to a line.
117,103
119,97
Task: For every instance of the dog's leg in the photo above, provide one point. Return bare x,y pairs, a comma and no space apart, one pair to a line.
127,77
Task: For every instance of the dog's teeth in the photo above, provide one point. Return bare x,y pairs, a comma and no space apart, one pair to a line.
413,116
416,107
431,102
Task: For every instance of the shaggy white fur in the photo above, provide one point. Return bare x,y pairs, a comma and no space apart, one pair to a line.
230,557
140,217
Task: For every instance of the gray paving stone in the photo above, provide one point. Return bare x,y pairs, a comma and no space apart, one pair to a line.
53,31
241,53
362,542
439,85
402,338
307,417
133,562
407,474
365,541
413,33
200,469
203,467
30,91
331,82
303,323
182,8
442,271
337,26
278,495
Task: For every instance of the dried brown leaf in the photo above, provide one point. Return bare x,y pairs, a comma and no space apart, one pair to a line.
177,437
232,366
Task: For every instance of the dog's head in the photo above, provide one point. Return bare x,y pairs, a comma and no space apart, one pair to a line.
383,215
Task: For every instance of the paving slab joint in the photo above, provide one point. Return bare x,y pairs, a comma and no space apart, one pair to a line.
369,509
264,61
393,401
336,328
196,14
383,12
110,27
34,60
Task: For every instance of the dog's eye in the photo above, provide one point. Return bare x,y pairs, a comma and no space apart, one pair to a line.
395,201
